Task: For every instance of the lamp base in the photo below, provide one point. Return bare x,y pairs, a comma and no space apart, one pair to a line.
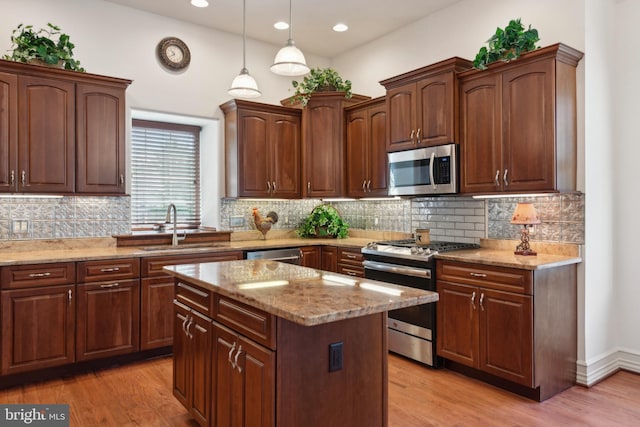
523,248
526,252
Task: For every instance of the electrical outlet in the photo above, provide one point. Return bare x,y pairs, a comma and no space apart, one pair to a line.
20,226
375,221
335,356
236,221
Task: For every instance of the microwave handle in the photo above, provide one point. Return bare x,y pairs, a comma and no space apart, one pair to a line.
433,158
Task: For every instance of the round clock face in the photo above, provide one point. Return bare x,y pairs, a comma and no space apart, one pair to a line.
173,53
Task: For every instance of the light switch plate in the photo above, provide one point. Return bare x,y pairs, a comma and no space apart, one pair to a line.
236,221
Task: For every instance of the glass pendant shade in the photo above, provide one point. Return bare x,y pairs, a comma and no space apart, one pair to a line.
289,60
244,86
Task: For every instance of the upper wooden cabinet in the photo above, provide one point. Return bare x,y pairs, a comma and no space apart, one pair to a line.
518,124
62,131
422,105
366,164
262,150
323,139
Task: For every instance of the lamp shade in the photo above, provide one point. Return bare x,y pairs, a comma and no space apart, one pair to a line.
525,214
244,86
290,61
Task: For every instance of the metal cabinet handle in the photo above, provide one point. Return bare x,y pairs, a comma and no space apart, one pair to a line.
235,360
109,270
364,186
482,301
497,178
273,186
69,295
411,136
308,185
369,186
184,325
301,254
47,274
352,273
473,300
23,178
477,275
121,179
12,178
110,285
268,186
504,178
418,136
189,334
233,347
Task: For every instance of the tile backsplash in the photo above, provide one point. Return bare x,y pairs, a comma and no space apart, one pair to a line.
461,219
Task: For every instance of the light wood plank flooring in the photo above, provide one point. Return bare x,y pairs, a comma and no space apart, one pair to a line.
139,394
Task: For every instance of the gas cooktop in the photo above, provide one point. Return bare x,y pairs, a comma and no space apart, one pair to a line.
409,249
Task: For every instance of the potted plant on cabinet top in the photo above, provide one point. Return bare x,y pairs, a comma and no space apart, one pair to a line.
507,44
320,80
32,46
324,221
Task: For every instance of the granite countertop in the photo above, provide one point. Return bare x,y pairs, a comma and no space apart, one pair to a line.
302,295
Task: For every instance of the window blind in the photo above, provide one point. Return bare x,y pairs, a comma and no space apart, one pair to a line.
165,169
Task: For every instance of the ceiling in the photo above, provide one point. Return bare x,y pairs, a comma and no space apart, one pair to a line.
312,19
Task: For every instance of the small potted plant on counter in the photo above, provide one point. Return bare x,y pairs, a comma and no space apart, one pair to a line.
320,80
39,47
324,221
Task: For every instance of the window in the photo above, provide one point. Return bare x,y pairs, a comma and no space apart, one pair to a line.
165,169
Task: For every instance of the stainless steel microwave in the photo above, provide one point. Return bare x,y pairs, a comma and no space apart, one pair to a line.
424,171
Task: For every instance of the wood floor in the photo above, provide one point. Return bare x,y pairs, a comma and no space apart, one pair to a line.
139,394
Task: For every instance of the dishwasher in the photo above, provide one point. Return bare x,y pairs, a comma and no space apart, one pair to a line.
288,255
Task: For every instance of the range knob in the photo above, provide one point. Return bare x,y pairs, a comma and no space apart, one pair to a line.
372,245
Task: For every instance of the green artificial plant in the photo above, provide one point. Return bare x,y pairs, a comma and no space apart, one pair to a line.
507,44
29,45
320,80
323,221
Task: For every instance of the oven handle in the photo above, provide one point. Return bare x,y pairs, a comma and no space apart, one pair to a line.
397,269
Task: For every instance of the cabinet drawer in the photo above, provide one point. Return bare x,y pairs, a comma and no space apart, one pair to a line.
499,278
350,256
246,320
33,275
152,266
111,269
351,270
194,297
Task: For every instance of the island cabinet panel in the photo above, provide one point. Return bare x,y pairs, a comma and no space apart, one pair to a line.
518,124
38,328
422,105
100,139
8,131
311,256
262,149
329,258
514,328
366,162
350,262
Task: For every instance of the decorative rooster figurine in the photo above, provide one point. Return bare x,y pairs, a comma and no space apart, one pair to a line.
264,224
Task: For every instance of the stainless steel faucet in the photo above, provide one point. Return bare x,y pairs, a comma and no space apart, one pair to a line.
174,239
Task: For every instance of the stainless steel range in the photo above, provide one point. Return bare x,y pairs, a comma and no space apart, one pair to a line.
412,331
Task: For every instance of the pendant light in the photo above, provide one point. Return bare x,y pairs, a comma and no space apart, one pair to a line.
244,86
290,60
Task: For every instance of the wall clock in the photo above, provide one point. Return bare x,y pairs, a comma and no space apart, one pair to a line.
173,53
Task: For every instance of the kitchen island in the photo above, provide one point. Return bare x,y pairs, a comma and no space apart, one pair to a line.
264,343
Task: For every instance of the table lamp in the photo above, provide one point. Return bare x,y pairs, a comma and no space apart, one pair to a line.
526,215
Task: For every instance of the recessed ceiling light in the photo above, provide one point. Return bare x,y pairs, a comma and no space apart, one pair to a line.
200,3
340,27
281,25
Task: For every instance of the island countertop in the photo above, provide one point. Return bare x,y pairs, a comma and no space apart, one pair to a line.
303,295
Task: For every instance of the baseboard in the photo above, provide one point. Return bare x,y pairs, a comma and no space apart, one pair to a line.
599,368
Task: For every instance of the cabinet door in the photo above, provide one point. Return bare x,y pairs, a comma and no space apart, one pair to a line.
322,150
46,136
481,135
435,110
200,333
107,332
254,158
529,127
8,131
284,150
357,152
330,258
181,355
100,136
38,328
256,366
311,256
506,335
401,117
457,324
156,307
226,406
378,169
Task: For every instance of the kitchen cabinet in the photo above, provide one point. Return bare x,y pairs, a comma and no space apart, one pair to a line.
350,262
509,324
311,256
262,150
518,124
38,316
64,131
422,105
157,293
114,284
329,258
366,156
323,144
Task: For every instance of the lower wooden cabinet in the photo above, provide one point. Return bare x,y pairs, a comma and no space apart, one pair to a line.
350,262
38,328
311,256
509,324
330,258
